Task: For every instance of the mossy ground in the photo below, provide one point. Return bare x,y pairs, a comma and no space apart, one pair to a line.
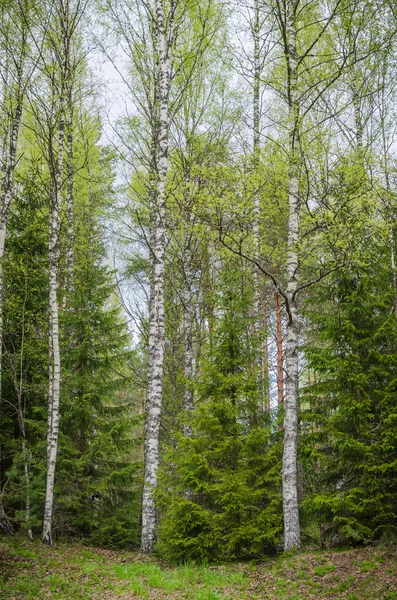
73,571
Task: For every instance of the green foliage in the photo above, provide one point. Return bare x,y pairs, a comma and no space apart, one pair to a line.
25,355
350,412
98,479
219,496
98,476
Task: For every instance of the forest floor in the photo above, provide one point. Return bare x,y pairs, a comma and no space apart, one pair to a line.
70,571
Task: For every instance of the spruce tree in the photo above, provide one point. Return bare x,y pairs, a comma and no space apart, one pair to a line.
220,494
350,439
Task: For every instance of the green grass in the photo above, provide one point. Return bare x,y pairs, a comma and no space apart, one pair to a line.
323,570
74,572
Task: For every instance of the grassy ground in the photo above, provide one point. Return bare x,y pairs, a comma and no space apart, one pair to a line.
71,571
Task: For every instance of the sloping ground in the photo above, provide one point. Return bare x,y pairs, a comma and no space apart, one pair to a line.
71,571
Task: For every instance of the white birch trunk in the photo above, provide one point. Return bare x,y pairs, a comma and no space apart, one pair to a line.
256,149
7,191
54,349
156,304
279,341
289,467
188,357
70,196
259,313
393,265
9,165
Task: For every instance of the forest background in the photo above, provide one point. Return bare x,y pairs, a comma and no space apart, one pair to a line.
198,296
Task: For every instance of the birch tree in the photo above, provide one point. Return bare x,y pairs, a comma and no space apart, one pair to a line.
16,68
305,84
16,71
310,60
163,48
60,38
164,38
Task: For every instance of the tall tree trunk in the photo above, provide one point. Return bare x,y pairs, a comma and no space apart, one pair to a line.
18,385
10,154
54,349
70,193
6,197
256,150
10,150
260,325
265,356
289,468
279,343
187,398
156,303
393,264
389,210
359,127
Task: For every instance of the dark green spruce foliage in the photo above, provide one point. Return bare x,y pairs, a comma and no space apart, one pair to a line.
220,497
98,480
25,356
97,483
350,422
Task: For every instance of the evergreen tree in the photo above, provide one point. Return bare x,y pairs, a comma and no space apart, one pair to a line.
220,494
25,352
350,417
98,475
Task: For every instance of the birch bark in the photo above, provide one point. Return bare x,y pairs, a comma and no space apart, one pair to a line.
54,349
68,23
393,263
289,466
259,305
163,38
187,398
7,191
70,191
256,149
279,340
9,161
8,181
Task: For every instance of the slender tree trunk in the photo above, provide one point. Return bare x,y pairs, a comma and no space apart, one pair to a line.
18,385
256,150
358,117
393,265
54,349
265,356
21,422
391,220
70,196
27,486
391,234
289,468
188,347
156,304
279,343
6,197
7,191
260,325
